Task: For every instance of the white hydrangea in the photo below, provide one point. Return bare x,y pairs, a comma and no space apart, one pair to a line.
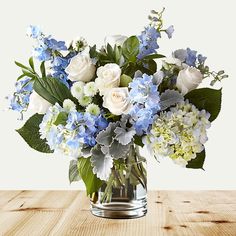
179,133
59,138
77,89
93,109
49,119
90,89
68,105
85,101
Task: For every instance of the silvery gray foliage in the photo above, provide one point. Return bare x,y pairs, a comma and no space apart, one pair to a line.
124,136
102,163
170,98
106,136
117,150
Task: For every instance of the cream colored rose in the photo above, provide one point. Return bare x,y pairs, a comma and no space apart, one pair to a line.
38,104
188,79
115,40
108,77
80,68
117,101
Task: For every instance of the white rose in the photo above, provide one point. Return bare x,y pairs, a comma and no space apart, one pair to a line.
80,68
108,77
38,104
115,40
188,79
117,101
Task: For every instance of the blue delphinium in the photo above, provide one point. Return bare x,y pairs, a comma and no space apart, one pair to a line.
189,57
145,97
19,101
148,41
46,46
34,31
169,31
58,66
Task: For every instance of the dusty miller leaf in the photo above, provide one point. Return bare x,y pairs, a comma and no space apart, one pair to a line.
170,98
124,137
105,137
101,163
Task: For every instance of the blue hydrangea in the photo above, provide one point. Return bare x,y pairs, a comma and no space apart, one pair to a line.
141,118
78,133
148,41
145,98
86,126
19,101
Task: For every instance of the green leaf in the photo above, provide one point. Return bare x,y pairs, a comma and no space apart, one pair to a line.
153,56
206,98
130,48
92,52
43,69
73,171
91,181
149,67
53,90
20,77
30,133
198,162
138,140
23,66
31,63
125,80
29,74
61,118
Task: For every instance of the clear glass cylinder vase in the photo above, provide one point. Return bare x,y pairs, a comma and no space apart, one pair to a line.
124,195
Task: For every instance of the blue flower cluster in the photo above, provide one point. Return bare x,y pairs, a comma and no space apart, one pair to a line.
19,101
190,57
87,126
145,99
46,46
79,131
148,42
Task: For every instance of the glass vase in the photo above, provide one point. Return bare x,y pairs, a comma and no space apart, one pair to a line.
124,195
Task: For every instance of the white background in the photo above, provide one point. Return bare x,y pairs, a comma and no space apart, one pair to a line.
207,26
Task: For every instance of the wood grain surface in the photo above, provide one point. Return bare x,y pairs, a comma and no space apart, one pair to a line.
67,213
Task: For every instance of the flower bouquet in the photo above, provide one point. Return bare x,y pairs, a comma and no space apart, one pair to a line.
100,106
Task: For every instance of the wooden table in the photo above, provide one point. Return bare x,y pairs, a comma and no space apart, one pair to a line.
67,213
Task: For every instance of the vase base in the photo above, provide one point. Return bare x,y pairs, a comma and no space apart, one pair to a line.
119,210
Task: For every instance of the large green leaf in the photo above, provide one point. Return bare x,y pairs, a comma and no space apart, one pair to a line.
206,98
73,171
198,162
91,181
30,133
130,48
52,89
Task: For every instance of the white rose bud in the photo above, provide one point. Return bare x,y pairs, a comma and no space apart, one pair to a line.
117,101
115,40
108,77
188,79
80,68
38,104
